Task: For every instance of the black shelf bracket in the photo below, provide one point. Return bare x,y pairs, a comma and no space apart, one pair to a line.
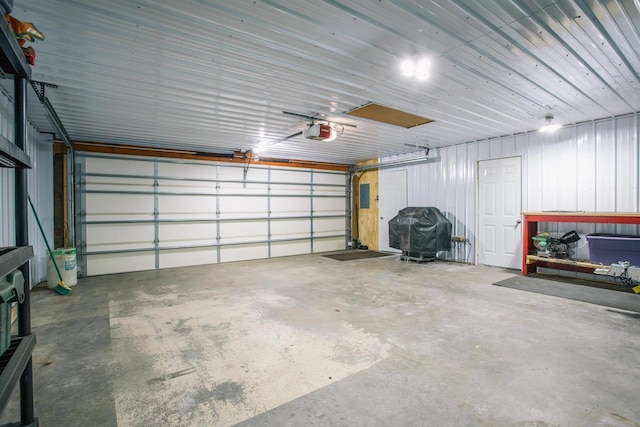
11,156
13,257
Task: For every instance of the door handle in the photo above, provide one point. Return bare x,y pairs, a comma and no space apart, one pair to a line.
518,222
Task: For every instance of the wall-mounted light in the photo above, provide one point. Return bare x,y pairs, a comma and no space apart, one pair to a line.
549,125
418,68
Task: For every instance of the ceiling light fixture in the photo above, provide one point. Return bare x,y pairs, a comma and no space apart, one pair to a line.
549,125
418,68
261,147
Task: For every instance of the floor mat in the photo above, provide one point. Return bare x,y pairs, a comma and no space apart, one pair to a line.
594,295
349,256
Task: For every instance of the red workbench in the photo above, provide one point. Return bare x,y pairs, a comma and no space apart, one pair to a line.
530,263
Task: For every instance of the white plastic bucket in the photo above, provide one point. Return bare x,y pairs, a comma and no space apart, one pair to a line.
66,261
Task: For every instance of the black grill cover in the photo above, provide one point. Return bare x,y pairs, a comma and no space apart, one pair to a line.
420,232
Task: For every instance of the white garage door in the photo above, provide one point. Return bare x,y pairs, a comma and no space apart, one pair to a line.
136,213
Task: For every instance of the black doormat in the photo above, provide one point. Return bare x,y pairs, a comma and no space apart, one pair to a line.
616,297
356,254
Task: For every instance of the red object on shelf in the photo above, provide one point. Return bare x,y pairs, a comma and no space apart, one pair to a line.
530,229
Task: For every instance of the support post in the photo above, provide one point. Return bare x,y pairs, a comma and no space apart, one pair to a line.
22,239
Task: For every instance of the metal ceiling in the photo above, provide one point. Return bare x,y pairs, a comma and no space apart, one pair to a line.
216,75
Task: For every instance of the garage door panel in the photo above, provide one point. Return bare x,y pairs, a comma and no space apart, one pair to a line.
329,192
188,257
289,176
328,226
291,229
125,206
244,231
290,248
201,213
182,206
243,207
290,189
113,166
326,245
102,237
178,186
102,183
243,252
185,234
329,206
253,173
227,173
120,263
248,188
329,178
186,170
281,206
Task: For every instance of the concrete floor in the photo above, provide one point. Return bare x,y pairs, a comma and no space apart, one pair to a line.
307,340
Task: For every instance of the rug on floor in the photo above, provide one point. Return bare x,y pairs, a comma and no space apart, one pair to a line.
595,295
357,254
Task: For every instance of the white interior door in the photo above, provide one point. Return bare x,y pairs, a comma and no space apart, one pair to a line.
393,197
499,206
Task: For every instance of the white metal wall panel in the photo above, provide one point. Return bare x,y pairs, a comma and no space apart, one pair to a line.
590,166
177,213
39,147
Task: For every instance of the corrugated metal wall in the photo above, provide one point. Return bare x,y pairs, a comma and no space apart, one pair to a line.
40,186
589,166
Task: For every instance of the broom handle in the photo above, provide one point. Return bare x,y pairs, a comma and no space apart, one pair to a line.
44,237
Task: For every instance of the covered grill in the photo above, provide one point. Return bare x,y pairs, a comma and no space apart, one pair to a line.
420,232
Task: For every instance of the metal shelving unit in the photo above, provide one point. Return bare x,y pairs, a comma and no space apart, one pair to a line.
16,362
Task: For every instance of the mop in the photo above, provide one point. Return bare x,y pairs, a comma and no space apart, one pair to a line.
61,288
